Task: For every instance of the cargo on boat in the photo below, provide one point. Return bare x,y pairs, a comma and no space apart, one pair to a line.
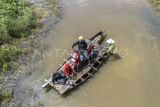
102,52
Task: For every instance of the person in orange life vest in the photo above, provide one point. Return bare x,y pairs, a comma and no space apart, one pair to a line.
68,71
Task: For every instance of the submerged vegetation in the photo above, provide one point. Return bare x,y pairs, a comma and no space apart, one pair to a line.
17,20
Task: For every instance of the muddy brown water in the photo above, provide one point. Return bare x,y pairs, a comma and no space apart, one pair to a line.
132,81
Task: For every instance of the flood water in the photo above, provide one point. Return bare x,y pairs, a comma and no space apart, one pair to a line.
132,81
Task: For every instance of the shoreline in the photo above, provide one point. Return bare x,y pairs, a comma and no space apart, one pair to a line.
48,14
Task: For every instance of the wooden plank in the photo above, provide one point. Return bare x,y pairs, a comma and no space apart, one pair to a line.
60,88
82,73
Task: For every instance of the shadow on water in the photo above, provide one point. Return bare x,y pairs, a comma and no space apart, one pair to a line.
114,57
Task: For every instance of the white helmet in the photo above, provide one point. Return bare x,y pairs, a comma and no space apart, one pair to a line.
110,41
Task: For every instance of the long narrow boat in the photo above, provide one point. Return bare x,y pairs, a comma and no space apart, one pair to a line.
103,53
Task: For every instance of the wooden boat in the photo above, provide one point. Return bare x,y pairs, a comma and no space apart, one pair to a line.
103,54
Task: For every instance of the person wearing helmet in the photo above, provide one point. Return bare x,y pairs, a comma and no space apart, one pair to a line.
81,43
82,49
111,45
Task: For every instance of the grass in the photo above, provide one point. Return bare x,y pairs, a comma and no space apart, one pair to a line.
156,3
5,96
7,55
17,20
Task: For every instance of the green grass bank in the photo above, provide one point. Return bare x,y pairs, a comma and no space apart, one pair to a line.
17,20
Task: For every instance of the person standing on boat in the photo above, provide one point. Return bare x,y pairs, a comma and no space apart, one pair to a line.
82,48
81,43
